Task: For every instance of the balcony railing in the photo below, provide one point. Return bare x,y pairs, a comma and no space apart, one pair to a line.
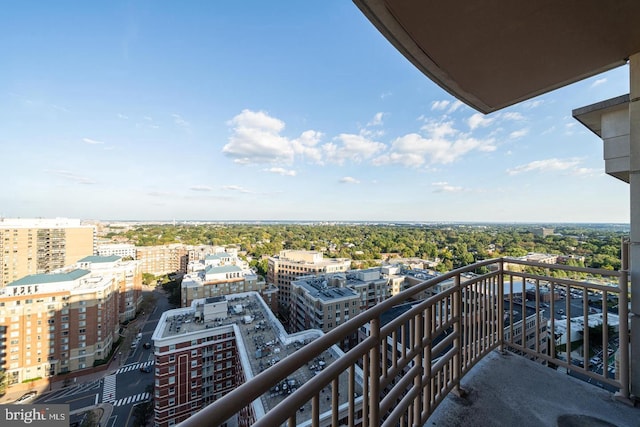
401,371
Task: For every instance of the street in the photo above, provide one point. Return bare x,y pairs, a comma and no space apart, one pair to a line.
128,385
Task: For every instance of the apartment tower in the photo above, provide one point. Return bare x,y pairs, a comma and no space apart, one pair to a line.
289,265
37,246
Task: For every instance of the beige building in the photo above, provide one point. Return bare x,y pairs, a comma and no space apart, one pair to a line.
289,265
63,321
123,250
127,275
164,259
215,281
216,274
36,246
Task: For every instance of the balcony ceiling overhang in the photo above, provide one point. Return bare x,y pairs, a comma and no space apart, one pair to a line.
494,53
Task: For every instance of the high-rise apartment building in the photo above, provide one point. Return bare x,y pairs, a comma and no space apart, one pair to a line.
289,265
204,351
63,321
164,259
37,246
127,275
197,366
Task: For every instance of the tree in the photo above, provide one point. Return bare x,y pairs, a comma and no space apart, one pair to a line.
148,278
90,419
3,382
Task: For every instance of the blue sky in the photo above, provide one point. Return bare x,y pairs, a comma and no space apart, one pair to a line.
272,111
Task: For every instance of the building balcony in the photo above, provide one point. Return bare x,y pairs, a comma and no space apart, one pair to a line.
487,350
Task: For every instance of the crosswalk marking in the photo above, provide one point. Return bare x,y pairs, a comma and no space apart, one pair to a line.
133,367
109,389
132,399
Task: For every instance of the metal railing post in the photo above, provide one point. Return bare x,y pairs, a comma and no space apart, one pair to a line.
374,375
623,325
501,305
457,331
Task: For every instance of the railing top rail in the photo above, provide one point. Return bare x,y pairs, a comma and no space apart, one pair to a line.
596,271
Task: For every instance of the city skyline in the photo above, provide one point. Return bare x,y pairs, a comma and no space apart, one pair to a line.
273,112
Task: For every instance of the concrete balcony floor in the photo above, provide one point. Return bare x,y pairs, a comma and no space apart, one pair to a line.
510,390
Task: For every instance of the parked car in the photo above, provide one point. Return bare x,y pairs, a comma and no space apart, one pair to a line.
145,369
27,397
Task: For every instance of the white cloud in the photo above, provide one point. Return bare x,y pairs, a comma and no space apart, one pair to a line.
479,120
545,166
306,145
518,133
445,187
179,121
59,108
456,104
237,188
442,144
440,105
200,188
349,180
598,82
351,147
377,120
281,171
512,115
385,95
70,176
256,139
533,104
547,131
586,172
123,117
159,194
92,141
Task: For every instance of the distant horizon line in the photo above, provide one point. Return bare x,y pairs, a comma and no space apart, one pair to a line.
319,221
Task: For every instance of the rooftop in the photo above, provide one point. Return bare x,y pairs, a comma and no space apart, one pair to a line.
222,269
100,259
264,341
317,287
40,279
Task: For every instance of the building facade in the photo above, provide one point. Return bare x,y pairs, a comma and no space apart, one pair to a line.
164,259
124,250
37,246
289,265
57,323
127,275
66,320
198,366
204,351
216,274
216,281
